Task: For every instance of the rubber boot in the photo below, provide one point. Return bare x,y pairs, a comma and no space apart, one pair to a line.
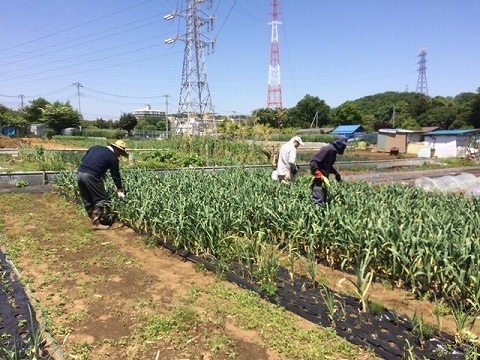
89,210
97,215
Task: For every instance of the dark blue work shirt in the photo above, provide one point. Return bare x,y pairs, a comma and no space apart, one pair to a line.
98,160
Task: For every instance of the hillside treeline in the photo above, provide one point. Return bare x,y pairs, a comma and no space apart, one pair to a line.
385,110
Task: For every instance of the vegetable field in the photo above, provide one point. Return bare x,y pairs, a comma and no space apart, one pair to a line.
424,242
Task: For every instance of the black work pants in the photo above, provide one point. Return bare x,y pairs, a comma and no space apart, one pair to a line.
319,193
92,190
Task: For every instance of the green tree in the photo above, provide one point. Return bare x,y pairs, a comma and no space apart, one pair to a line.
161,124
381,107
461,121
302,114
473,117
127,122
438,116
58,116
410,123
420,105
102,124
141,124
465,99
33,112
347,113
9,117
228,128
265,117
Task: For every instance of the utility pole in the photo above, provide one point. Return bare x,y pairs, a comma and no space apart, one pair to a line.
195,99
422,87
21,96
78,85
315,120
274,93
166,115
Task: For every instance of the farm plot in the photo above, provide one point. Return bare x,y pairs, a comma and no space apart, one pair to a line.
397,235
112,295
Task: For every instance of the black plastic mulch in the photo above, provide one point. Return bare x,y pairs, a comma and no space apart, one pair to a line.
18,323
390,335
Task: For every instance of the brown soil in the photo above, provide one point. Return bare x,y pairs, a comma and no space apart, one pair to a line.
97,289
13,142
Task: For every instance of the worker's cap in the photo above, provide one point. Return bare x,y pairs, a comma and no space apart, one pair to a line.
341,139
340,143
298,139
120,145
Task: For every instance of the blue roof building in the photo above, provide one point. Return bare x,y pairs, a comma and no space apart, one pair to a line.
350,131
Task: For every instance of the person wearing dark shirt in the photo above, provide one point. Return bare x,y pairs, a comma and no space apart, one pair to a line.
90,174
321,166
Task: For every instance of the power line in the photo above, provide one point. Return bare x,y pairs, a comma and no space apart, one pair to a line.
76,45
110,66
74,27
86,62
123,96
40,95
226,18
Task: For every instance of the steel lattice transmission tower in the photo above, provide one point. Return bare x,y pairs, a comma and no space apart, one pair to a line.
195,99
274,93
422,87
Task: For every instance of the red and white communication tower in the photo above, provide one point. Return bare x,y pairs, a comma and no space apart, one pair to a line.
274,94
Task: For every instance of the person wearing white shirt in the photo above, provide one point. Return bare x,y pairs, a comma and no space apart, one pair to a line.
286,165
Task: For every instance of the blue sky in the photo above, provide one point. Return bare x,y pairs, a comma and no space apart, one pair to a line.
338,50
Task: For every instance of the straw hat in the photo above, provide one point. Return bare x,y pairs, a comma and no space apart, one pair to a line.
120,145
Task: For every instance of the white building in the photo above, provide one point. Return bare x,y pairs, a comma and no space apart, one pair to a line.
147,112
451,143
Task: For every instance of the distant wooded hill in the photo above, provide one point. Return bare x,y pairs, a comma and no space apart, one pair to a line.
413,110
406,110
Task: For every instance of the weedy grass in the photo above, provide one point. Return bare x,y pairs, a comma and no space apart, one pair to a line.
278,328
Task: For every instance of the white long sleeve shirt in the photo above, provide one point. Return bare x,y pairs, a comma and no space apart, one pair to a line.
287,154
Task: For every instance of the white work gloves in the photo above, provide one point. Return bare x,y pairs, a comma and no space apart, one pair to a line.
121,195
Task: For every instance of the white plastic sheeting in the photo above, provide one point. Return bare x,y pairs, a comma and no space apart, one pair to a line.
464,182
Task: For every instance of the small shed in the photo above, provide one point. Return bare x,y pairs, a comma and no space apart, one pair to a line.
36,129
399,139
350,131
451,143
